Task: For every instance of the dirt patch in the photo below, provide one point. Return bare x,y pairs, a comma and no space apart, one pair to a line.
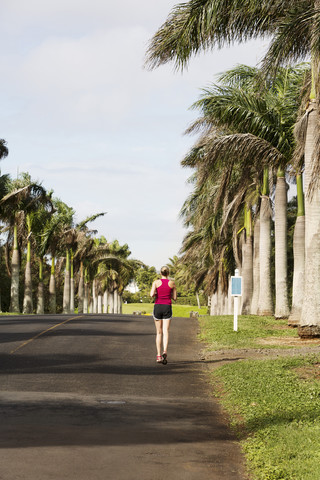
280,327
288,341
295,347
310,372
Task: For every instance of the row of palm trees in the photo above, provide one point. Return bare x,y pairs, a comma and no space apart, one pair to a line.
247,145
40,229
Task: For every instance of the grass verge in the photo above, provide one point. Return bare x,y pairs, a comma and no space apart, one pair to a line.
147,308
218,332
273,405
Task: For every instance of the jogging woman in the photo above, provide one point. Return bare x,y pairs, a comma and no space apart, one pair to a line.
165,291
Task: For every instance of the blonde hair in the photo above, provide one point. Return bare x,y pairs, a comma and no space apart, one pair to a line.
164,271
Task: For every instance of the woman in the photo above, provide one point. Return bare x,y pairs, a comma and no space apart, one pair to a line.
165,291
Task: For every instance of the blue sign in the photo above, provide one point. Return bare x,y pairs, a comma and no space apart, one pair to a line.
236,286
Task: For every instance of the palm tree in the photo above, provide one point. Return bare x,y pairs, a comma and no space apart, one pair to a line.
4,182
294,30
208,250
82,256
71,236
256,267
3,149
202,25
259,125
174,265
88,251
39,221
247,260
35,221
265,306
114,272
51,242
299,257
23,198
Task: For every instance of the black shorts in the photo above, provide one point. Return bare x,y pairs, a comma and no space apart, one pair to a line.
161,311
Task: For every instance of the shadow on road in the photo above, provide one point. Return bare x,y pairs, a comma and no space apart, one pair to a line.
106,422
84,363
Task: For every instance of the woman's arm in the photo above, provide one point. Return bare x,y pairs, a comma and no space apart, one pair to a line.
153,290
174,290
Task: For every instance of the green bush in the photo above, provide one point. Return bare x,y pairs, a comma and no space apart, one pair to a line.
129,297
192,300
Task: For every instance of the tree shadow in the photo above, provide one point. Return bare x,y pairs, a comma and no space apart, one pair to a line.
260,422
86,363
118,421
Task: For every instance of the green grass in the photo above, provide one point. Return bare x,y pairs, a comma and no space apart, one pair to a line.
177,310
273,410
129,308
218,332
9,313
278,416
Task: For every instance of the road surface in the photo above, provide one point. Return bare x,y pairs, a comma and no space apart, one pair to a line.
82,398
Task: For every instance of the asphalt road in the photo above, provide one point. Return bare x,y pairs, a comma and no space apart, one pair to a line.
82,398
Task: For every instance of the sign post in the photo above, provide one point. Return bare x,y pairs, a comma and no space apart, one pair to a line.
236,292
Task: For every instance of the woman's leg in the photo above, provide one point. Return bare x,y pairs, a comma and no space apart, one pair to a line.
158,324
166,326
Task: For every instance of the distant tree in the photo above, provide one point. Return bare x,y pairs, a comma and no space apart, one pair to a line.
3,149
144,278
25,196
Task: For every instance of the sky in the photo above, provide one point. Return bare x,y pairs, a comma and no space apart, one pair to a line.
84,117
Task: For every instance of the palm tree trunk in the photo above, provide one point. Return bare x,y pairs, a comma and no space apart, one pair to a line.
198,299
115,301
99,303
105,302
222,300
81,290
281,241
27,298
256,267
213,303
40,304
310,314
86,291
230,298
265,293
71,308
66,289
94,297
111,306
86,298
247,264
52,289
120,303
298,258
15,269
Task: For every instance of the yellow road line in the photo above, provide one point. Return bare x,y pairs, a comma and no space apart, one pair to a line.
42,333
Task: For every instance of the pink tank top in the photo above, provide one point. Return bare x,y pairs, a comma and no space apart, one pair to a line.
164,293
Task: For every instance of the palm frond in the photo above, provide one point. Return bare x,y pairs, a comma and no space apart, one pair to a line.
200,25
3,149
244,148
241,76
90,219
292,37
